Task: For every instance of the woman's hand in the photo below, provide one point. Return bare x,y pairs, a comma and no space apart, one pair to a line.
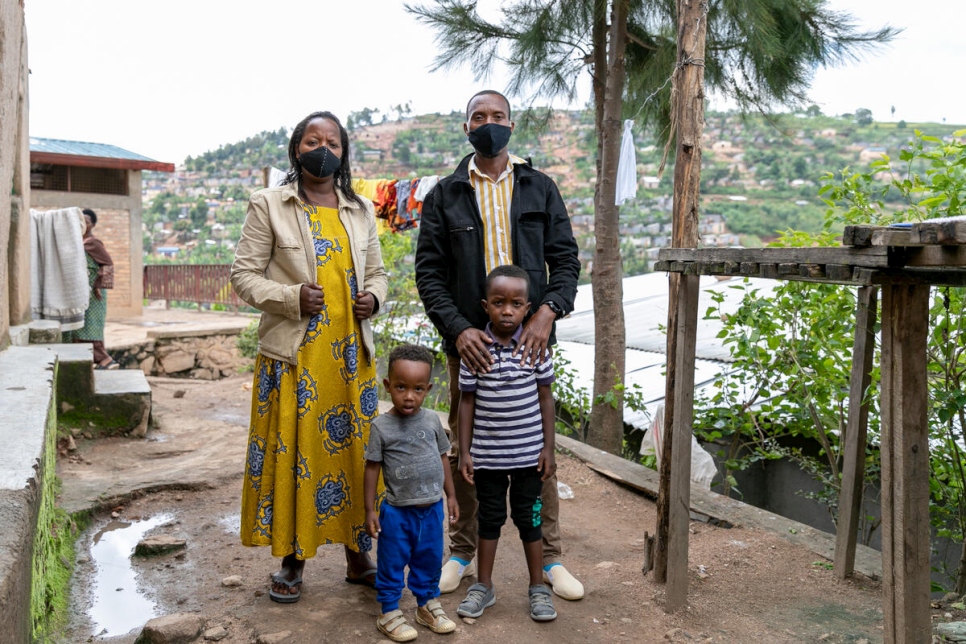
311,299
364,305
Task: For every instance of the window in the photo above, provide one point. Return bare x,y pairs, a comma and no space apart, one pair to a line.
107,181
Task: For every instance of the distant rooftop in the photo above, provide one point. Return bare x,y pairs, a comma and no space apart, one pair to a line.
93,155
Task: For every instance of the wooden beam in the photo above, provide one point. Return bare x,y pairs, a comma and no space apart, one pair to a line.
939,232
853,460
905,465
876,236
872,257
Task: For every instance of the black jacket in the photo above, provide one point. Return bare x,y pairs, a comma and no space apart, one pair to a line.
450,269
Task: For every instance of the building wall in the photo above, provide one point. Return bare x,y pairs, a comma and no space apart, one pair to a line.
14,171
119,227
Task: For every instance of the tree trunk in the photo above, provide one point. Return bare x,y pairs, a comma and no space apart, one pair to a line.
688,118
607,410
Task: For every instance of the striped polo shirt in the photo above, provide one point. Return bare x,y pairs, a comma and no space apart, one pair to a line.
494,198
507,427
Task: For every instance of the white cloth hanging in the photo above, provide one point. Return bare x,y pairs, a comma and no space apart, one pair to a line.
627,166
59,289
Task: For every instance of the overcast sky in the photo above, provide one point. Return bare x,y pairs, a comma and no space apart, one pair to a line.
177,78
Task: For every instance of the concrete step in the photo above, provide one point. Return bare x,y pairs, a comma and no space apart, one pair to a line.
75,372
123,398
116,402
44,332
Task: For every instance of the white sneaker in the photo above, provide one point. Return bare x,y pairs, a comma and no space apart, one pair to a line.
453,571
563,583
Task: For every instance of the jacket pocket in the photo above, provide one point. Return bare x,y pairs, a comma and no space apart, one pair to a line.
288,244
531,234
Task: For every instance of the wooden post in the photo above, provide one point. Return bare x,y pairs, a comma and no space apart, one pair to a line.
679,490
853,465
905,465
687,99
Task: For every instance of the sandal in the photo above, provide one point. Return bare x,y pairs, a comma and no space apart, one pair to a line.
110,366
434,618
367,578
394,626
285,598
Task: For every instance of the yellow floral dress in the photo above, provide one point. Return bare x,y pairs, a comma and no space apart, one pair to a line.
310,422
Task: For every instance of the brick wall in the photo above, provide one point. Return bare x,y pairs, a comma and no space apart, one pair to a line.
114,229
119,227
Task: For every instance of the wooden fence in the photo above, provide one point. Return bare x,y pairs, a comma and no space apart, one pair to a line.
198,283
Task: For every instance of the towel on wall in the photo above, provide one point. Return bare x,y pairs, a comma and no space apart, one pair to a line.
59,289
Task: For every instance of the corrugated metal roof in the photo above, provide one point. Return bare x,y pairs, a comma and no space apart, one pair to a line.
645,313
83,149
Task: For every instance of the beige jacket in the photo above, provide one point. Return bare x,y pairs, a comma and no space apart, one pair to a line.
276,255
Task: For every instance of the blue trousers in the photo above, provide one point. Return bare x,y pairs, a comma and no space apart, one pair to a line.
411,536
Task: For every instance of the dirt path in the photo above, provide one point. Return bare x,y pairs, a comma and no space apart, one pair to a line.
746,585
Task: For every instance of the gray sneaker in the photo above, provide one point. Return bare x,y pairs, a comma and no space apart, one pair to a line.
541,604
477,599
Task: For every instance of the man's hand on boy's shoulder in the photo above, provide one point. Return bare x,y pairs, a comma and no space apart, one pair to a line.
535,338
473,346
547,463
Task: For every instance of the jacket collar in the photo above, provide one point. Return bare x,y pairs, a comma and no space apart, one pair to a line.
462,172
290,191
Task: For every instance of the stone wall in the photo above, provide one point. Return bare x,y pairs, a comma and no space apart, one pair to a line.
205,355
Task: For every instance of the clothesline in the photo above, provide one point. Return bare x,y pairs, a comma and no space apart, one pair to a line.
398,201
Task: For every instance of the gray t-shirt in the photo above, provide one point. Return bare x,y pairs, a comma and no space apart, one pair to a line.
410,450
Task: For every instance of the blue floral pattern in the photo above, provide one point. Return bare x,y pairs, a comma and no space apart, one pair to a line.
339,425
306,392
369,399
302,472
256,457
263,524
350,278
347,351
331,497
317,323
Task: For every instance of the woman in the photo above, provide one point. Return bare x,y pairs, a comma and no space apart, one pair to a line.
309,259
100,273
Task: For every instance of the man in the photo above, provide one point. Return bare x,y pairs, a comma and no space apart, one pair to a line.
495,209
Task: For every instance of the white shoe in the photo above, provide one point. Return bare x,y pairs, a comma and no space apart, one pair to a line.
453,571
563,583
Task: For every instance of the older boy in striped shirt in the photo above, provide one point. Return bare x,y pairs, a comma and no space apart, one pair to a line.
506,425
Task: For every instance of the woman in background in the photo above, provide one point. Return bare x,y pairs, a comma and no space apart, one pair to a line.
100,273
309,259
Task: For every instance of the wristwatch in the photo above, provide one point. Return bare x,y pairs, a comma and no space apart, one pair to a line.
555,308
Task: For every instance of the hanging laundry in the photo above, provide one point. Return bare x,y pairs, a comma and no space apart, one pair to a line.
425,185
627,166
401,221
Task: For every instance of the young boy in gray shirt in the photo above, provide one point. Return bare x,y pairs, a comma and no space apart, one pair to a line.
409,446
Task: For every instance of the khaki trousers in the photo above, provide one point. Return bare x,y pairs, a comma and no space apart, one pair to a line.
462,535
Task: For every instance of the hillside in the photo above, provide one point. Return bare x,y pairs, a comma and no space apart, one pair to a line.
758,177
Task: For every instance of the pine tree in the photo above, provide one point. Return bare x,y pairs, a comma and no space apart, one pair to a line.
759,54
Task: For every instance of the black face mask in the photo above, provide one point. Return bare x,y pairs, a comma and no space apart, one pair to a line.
489,139
320,162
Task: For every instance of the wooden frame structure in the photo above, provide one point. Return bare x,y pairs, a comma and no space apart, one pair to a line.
904,263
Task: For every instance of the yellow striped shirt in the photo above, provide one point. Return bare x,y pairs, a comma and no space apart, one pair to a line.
494,198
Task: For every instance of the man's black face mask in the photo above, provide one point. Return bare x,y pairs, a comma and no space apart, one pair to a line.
489,139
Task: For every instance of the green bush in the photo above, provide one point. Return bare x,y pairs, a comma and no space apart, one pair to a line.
247,341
